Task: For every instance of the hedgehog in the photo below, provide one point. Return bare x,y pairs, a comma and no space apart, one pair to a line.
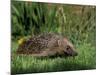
47,44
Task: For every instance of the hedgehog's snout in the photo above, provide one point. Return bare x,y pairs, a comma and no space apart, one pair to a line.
74,53
71,53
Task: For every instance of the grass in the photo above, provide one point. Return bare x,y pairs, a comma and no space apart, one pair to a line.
33,18
85,60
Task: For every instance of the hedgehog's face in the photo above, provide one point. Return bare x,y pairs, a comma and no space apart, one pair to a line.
68,48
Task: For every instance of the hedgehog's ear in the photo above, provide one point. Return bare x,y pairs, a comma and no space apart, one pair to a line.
65,40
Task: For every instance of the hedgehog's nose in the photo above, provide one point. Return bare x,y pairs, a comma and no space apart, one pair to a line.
75,54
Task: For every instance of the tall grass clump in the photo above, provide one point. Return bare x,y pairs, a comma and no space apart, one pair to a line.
76,22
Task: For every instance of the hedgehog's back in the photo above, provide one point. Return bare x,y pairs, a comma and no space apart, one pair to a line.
39,43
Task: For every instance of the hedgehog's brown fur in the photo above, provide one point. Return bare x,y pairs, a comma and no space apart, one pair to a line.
48,44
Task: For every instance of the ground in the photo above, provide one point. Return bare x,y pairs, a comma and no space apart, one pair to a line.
85,60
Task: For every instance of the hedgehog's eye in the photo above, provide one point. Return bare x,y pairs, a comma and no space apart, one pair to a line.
68,48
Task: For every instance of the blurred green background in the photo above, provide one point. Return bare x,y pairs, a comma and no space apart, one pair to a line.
76,22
